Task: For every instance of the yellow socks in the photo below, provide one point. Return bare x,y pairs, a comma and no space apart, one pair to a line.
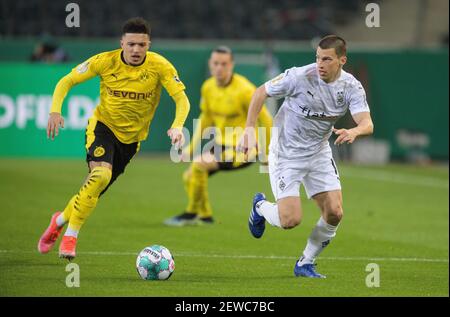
68,210
205,209
82,204
197,190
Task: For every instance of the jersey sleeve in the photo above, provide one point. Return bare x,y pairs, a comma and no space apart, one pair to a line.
84,71
170,80
265,120
94,66
357,99
282,85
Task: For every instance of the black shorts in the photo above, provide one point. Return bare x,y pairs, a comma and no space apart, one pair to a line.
103,146
227,166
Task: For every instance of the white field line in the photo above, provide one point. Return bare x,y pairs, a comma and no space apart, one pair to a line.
395,178
263,257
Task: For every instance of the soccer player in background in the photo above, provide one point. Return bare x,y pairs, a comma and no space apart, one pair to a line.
225,98
131,79
316,96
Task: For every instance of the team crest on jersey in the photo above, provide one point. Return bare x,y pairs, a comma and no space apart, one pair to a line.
282,184
99,151
144,75
82,68
340,98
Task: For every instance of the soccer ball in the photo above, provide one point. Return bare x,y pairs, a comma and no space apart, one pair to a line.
155,263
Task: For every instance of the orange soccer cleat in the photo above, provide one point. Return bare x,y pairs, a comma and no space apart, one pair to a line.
51,234
67,247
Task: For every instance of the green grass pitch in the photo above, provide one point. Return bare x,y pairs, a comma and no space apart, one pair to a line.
395,216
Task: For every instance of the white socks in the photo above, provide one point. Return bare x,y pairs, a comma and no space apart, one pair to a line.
320,237
60,220
270,212
71,233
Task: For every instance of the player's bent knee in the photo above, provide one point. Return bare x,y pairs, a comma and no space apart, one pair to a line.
290,223
93,164
187,175
335,214
103,174
290,219
289,209
339,215
199,166
98,179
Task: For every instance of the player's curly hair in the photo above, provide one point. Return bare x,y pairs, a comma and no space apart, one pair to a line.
336,42
136,25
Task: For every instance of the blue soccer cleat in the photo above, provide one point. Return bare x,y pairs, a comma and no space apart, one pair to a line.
307,270
257,223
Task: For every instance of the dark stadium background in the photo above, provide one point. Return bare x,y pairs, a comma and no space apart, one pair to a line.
395,181
403,64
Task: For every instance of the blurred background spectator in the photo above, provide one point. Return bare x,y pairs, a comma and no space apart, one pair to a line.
47,50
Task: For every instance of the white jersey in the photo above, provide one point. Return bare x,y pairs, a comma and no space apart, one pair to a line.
310,109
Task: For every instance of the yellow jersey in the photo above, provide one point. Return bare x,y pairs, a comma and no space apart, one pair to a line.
223,107
129,95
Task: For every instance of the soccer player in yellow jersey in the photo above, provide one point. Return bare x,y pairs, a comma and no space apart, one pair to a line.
131,79
225,98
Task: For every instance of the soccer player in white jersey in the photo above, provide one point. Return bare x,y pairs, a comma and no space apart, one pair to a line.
316,96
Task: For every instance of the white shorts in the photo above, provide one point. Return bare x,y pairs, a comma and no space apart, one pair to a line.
318,173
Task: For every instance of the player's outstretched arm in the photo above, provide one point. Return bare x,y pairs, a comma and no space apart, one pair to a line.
55,120
175,133
248,138
265,120
364,126
256,105
81,73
